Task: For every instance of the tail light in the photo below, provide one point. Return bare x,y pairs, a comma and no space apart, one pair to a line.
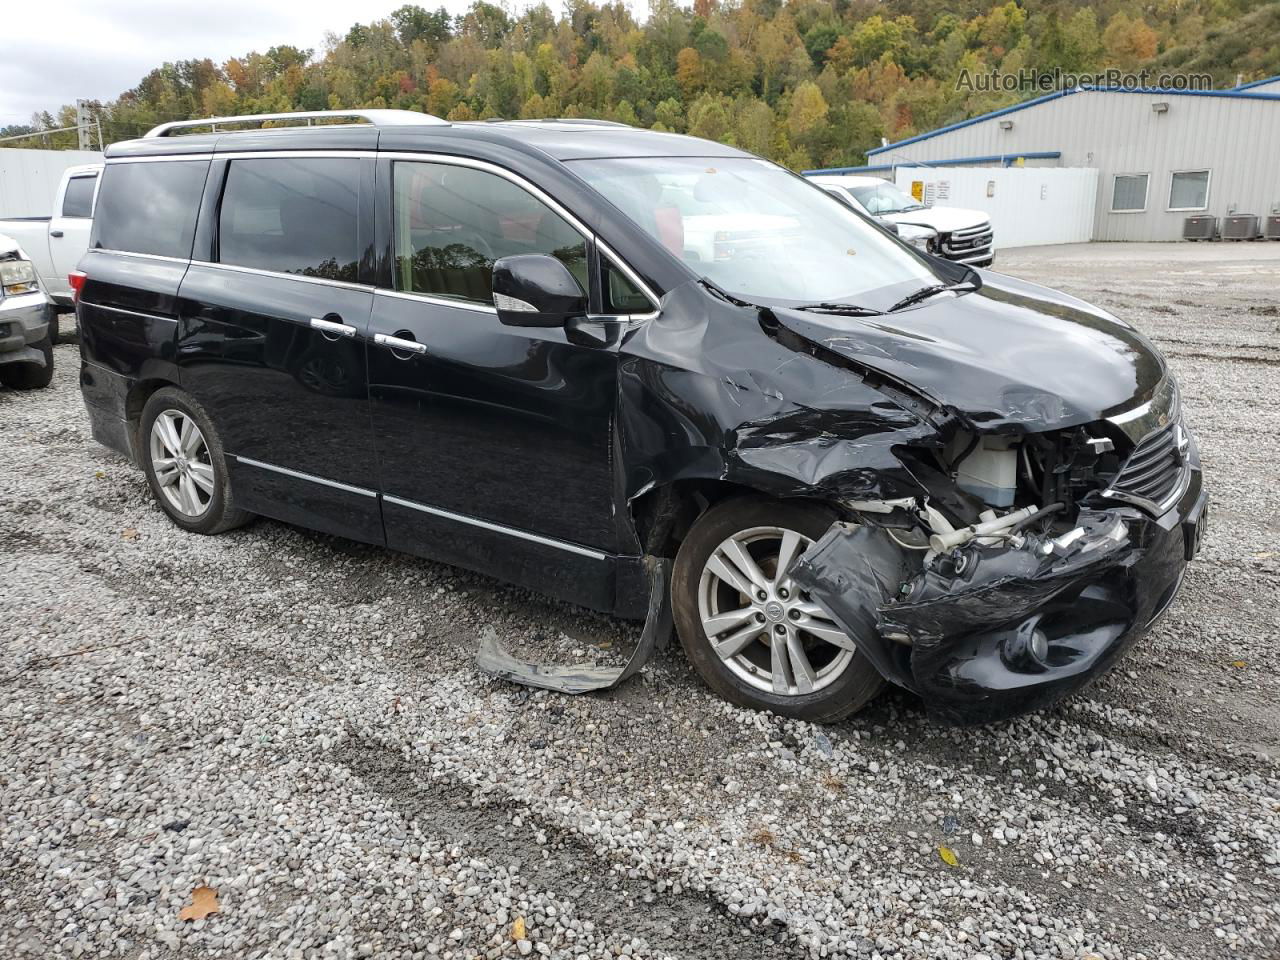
77,279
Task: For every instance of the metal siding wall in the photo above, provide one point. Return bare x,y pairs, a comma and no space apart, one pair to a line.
29,179
1237,139
1020,215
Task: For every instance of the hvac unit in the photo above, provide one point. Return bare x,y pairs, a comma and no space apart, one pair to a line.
1200,227
1240,226
1272,231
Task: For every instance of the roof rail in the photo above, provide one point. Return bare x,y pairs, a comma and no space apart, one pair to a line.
379,118
585,121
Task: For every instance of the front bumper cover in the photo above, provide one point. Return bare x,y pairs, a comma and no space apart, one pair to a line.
24,320
963,644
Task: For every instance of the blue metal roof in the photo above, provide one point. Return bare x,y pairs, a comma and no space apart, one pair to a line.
1256,83
1004,159
1239,93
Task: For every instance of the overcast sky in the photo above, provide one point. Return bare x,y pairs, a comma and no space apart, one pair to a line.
56,51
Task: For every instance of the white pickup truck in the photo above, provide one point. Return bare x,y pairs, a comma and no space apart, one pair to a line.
55,244
951,232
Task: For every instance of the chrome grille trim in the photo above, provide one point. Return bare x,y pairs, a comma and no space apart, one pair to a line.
970,243
1157,472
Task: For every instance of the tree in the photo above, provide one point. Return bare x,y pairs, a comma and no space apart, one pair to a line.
708,118
1128,42
413,23
689,71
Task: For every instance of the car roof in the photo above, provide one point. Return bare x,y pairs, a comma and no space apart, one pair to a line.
569,139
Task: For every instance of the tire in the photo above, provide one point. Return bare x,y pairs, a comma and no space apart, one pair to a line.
193,487
55,335
29,376
839,681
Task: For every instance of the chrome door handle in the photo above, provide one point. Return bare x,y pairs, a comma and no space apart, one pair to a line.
333,329
395,343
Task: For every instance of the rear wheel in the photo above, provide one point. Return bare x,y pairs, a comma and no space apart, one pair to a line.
185,465
752,635
29,376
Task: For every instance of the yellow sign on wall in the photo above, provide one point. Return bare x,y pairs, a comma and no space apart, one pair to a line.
917,190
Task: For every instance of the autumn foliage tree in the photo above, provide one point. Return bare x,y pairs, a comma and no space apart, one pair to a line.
804,82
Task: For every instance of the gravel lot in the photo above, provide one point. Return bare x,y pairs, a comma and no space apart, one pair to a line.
295,721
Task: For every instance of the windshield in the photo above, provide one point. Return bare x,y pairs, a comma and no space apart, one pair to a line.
756,230
884,198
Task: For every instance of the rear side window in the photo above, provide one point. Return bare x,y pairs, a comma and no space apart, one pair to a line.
292,216
453,222
150,207
78,200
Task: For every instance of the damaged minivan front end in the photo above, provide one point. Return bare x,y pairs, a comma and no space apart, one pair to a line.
1031,558
1047,558
1007,519
982,488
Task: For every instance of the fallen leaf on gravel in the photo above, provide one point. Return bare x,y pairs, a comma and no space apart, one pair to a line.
98,474
1239,664
204,901
1267,555
129,534
518,930
948,856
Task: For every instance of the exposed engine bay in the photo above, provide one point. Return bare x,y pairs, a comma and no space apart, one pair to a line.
1007,572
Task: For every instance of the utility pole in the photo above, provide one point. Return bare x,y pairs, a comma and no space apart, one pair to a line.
83,125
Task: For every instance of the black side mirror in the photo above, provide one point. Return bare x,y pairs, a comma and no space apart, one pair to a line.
535,290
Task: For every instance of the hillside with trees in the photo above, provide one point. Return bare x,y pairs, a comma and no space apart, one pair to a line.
807,82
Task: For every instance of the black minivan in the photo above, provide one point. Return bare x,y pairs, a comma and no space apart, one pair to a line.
555,351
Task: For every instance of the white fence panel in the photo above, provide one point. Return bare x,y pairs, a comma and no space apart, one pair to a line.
29,178
1028,206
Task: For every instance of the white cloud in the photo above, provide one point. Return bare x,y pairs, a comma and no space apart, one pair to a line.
69,49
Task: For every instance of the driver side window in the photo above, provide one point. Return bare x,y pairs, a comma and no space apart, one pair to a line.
452,222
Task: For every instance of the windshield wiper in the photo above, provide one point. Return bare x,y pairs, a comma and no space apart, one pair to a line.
725,295
924,293
845,309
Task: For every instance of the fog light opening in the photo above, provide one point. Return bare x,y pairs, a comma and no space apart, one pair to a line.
1027,650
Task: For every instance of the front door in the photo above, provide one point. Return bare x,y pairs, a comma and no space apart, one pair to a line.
272,339
493,442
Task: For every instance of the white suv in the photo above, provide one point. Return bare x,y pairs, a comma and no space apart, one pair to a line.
950,232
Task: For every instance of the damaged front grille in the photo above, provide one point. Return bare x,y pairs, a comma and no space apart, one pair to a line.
1155,474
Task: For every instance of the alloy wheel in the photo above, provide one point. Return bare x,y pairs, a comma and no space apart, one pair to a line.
768,632
181,463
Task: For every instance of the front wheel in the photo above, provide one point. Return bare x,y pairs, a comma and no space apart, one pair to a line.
752,635
185,465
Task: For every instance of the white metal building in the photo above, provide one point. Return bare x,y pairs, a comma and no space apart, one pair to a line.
29,178
1161,155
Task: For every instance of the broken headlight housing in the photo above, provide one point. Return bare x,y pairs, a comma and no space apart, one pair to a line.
922,238
17,277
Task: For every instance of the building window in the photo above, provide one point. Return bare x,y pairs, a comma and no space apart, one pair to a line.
1189,190
1129,193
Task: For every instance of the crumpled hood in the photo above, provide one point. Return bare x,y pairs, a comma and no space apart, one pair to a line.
9,245
942,219
1012,354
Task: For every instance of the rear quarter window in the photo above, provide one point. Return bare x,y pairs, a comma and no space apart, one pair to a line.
78,199
149,207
